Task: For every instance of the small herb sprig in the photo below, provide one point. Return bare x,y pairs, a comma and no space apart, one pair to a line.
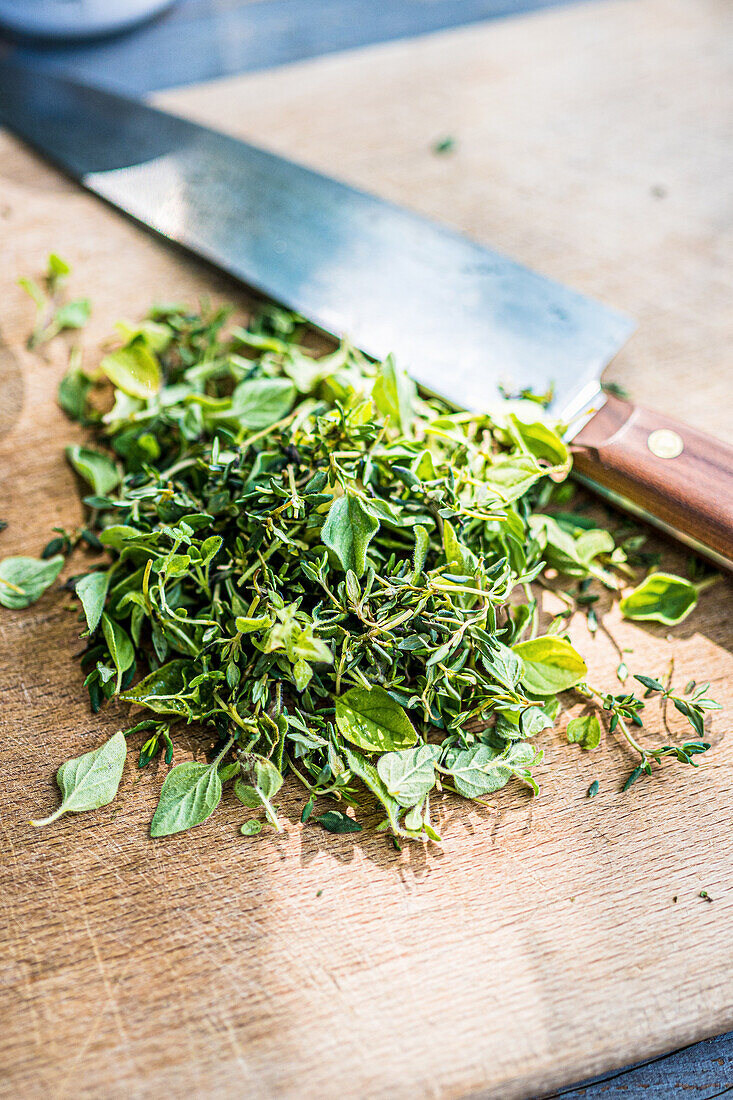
331,573
626,708
53,315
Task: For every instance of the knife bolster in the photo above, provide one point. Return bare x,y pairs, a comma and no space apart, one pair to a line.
676,477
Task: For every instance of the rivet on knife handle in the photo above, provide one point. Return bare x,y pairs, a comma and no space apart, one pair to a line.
674,476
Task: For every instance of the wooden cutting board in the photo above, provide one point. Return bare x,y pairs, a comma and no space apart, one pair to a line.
548,939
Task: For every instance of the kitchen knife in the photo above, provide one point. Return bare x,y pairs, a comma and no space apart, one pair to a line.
463,319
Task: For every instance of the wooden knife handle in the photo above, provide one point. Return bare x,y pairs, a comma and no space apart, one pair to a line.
673,476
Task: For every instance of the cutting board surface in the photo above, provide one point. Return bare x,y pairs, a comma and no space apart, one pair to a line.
548,939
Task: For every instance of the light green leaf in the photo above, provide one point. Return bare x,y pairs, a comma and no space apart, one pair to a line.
302,674
573,554
118,535
544,443
482,770
460,559
348,530
663,597
410,774
420,553
248,624
266,781
189,796
120,646
155,336
533,720
373,720
550,664
584,731
134,370
72,315
504,665
302,645
259,402
516,724
91,780
251,827
247,795
97,469
92,591
58,269
210,547
31,287
394,395
24,580
510,478
413,819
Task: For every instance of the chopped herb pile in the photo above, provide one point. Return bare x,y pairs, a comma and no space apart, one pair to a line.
330,573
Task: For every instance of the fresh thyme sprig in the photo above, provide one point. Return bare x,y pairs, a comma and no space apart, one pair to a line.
626,712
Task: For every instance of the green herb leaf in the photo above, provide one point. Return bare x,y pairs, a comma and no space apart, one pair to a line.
503,665
73,391
190,794
120,647
251,827
92,591
72,315
90,781
24,580
483,770
550,664
394,395
373,721
663,597
97,469
259,403
348,530
373,781
161,691
248,624
409,774
134,370
266,781
584,731
335,821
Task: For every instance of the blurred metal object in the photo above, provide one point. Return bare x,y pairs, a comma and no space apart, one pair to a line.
463,319
74,19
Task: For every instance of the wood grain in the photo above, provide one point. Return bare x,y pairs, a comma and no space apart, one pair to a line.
679,477
543,943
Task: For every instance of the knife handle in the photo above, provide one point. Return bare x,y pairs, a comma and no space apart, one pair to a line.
675,477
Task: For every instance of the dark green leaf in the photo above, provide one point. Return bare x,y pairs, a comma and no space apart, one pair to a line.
334,821
348,530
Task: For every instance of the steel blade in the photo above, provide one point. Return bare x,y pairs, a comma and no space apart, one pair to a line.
460,317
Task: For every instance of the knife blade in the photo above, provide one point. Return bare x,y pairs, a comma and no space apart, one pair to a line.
467,322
